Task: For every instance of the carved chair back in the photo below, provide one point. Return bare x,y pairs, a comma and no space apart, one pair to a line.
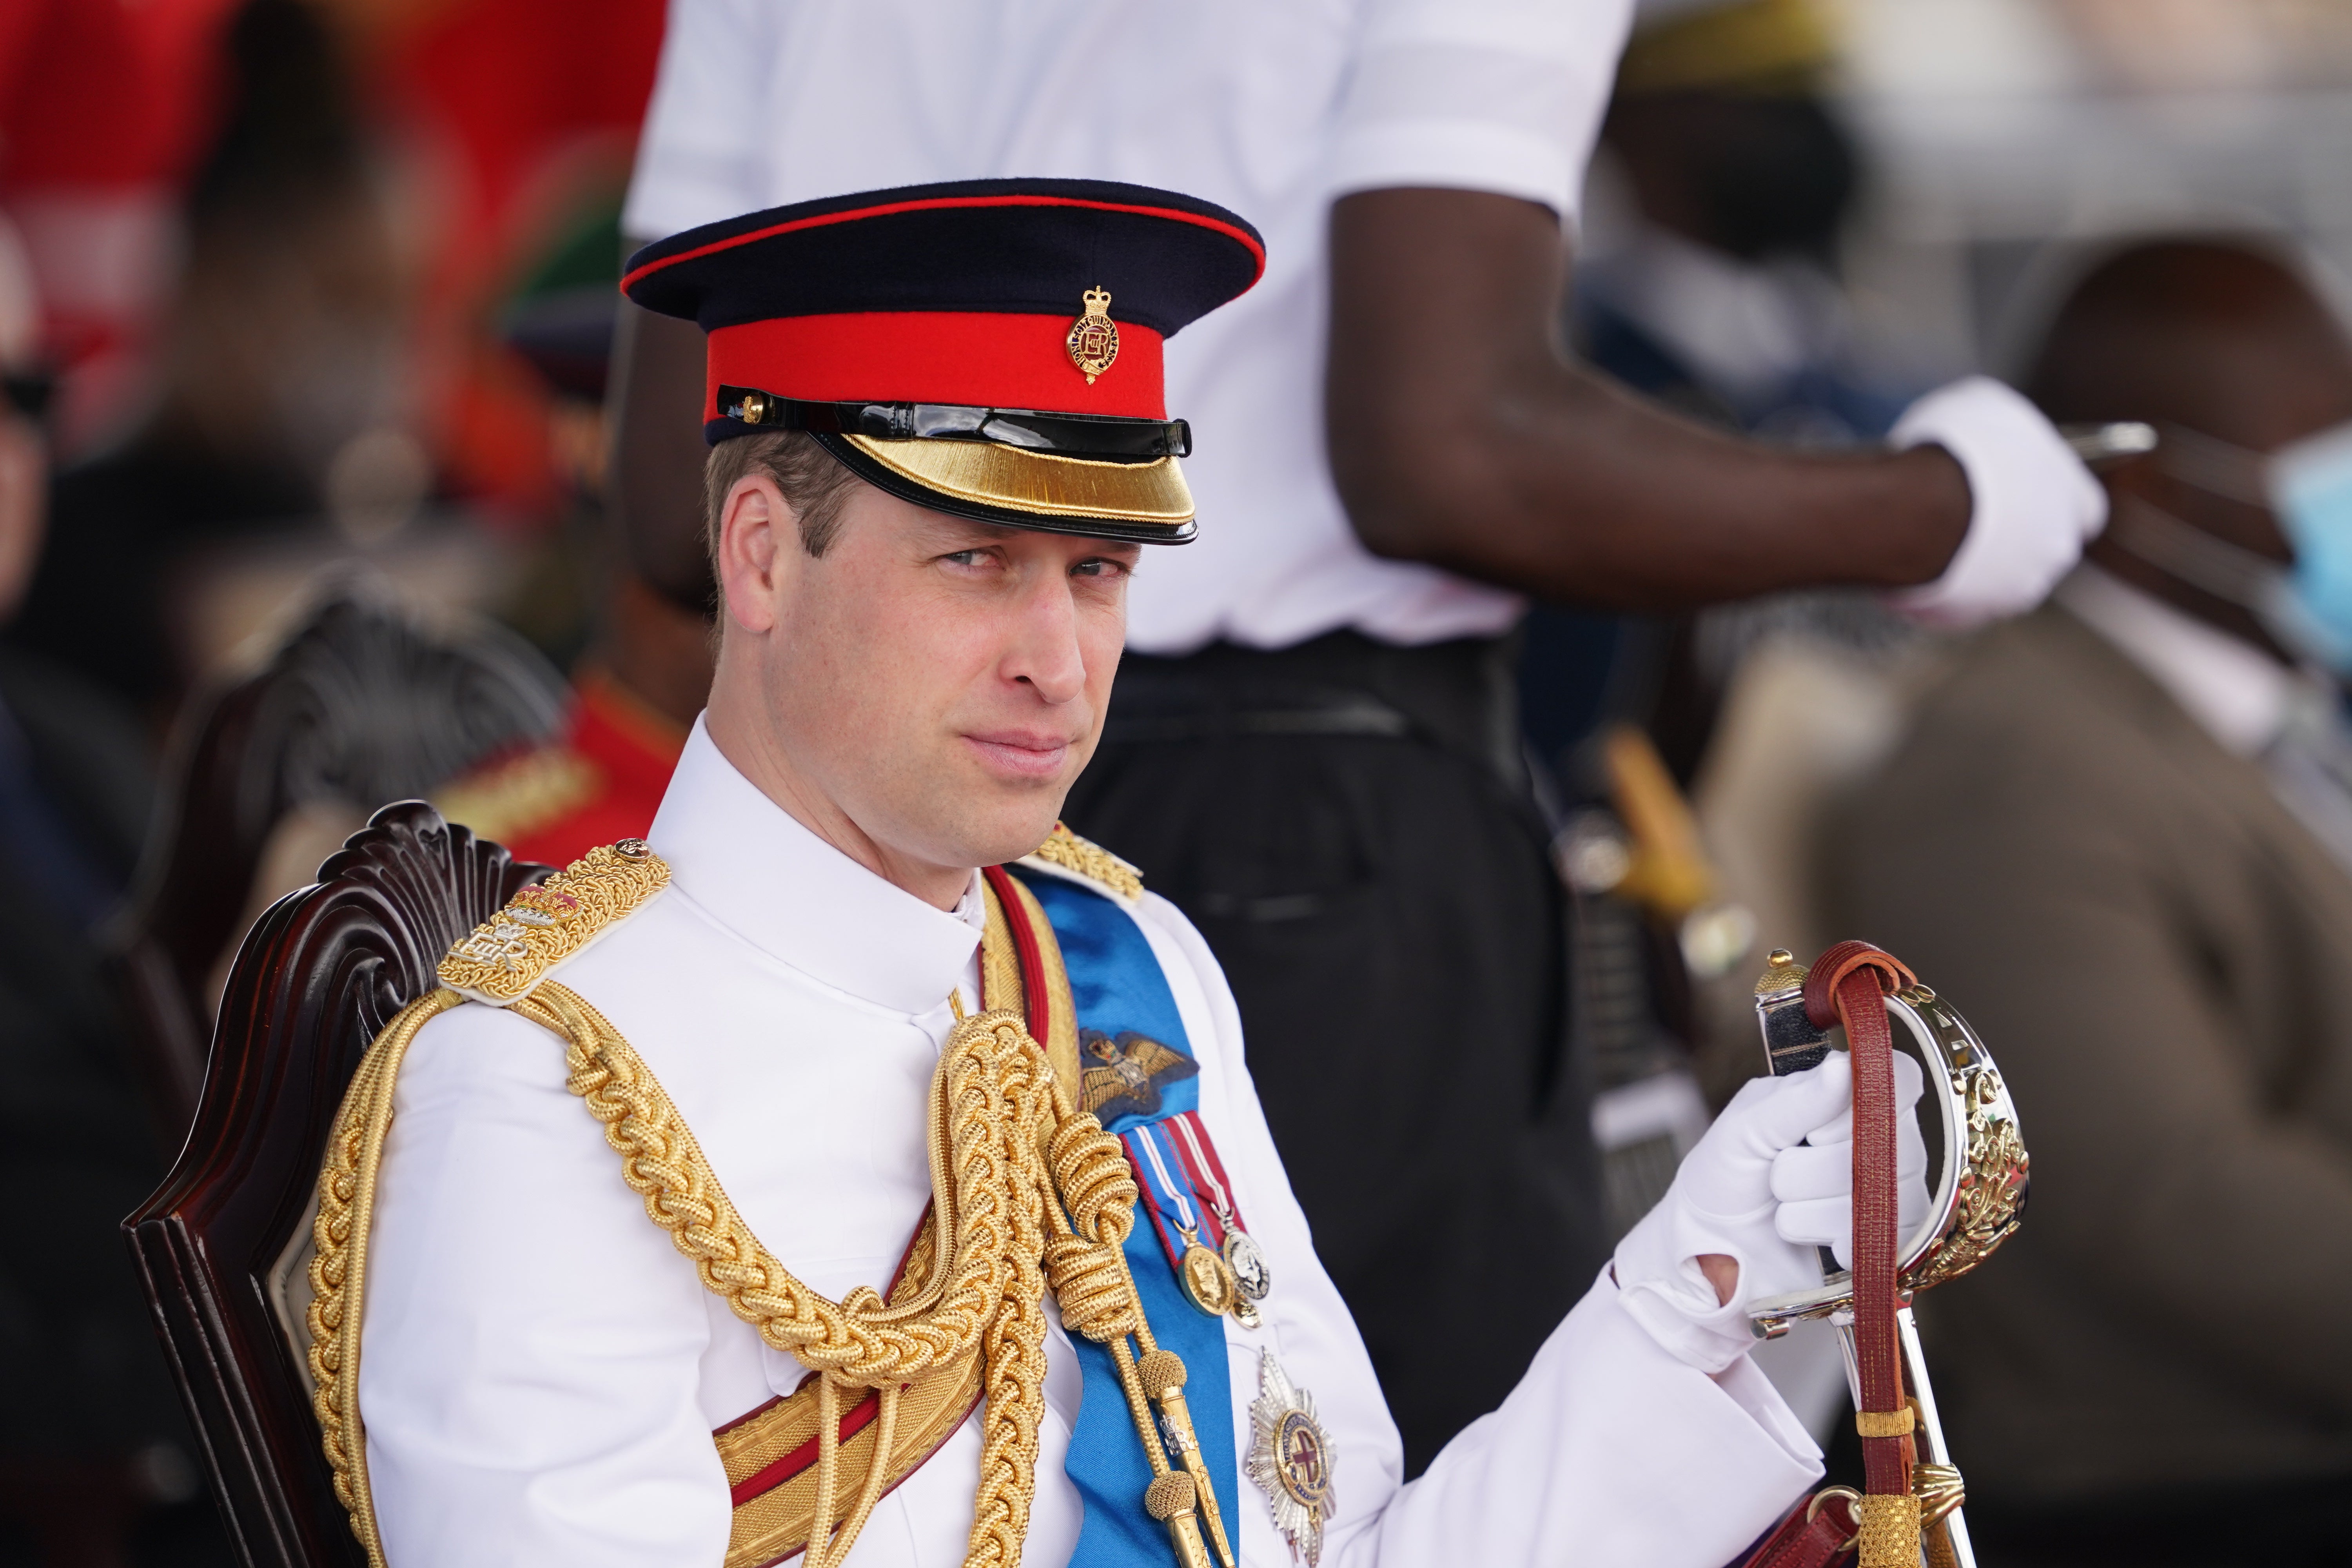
223,1248
360,706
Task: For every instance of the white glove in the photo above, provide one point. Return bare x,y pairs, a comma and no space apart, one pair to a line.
2033,504
1772,1179
1814,1181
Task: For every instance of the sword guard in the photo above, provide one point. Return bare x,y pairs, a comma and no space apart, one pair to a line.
1979,1196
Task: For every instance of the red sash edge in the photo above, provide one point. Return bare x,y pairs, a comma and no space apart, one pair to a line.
1025,947
806,1456
856,1419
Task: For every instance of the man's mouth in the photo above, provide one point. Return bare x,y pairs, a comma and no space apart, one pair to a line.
1022,753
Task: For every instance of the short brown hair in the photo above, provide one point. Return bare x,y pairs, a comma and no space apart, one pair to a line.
813,482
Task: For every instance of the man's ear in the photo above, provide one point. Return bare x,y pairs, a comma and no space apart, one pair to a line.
759,543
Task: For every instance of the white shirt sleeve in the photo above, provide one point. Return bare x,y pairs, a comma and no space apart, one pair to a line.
700,157
532,1340
1486,95
1610,1451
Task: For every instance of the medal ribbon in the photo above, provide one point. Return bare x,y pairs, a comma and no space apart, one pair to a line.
1208,1173
1168,1193
1116,984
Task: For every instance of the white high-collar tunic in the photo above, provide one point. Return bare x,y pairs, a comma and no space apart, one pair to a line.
542,1370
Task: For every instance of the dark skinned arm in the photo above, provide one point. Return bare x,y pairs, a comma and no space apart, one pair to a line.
1461,434
658,454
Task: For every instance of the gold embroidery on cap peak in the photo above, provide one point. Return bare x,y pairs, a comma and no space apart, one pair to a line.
1093,341
1045,483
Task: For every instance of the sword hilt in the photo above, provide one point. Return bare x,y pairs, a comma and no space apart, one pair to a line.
1984,1162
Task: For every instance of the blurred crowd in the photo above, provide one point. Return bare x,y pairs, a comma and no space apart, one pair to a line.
308,322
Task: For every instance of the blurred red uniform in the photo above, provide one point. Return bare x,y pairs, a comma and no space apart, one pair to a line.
599,780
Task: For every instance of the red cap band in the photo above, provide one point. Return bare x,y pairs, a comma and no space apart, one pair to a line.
983,359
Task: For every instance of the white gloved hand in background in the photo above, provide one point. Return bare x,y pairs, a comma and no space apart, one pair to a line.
1772,1179
2033,504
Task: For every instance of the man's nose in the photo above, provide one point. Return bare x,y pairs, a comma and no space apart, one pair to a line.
1045,652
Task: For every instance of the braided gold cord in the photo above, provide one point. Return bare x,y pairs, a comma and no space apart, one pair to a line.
338,1266
859,1340
1012,1165
1017,1339
997,1098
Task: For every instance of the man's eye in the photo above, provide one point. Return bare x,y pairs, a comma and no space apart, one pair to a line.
1097,568
966,558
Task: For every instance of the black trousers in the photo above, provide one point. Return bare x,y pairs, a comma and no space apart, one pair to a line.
1350,827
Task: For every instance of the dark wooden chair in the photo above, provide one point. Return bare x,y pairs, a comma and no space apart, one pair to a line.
360,706
223,1248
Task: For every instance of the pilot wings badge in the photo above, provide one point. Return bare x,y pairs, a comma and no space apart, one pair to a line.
1123,1076
1290,1459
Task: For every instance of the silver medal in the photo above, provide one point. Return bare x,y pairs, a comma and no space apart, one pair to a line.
1247,1260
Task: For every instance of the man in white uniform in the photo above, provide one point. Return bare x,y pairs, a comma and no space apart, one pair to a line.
924,608
1314,750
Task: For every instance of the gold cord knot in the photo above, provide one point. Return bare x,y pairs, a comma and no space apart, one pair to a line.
1091,1172
1093,1289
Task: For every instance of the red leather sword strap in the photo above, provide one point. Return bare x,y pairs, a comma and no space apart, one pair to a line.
1847,985
1817,1533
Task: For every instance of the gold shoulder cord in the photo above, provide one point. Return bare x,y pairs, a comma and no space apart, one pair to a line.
1027,1190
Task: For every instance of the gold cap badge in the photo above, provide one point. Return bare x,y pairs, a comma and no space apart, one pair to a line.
1093,341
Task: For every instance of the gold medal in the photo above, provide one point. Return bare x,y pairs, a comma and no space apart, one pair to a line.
1093,341
1245,1259
1207,1278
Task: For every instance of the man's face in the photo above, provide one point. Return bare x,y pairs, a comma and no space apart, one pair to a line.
940,682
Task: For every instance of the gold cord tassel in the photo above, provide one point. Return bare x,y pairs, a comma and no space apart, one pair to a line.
1162,1372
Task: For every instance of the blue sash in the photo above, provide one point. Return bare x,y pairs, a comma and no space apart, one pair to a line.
1128,1022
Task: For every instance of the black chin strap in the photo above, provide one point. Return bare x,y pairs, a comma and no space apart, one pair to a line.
1100,436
